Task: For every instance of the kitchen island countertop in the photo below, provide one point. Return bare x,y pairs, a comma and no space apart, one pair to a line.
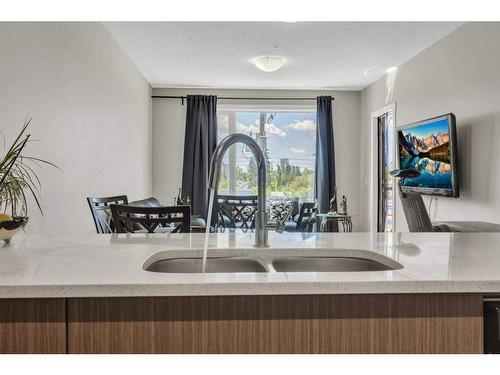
94,265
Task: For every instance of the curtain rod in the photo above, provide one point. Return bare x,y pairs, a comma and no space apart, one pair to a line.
228,98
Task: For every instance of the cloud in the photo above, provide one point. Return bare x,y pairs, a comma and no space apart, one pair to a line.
306,125
254,128
223,123
297,150
242,128
272,129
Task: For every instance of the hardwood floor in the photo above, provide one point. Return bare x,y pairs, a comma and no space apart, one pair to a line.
411,323
32,326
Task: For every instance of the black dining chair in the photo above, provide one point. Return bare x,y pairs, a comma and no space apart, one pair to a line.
235,211
147,202
101,213
305,220
128,218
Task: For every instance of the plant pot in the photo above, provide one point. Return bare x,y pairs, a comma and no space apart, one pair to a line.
10,227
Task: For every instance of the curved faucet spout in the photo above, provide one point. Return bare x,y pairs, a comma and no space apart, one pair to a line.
215,173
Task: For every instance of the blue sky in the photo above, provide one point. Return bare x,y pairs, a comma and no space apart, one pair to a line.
423,131
292,135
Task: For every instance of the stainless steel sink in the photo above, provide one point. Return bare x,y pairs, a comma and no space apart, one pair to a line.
327,264
214,265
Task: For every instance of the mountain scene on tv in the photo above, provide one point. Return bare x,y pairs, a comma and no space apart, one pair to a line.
426,147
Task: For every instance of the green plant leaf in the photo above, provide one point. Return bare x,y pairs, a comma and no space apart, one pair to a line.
19,176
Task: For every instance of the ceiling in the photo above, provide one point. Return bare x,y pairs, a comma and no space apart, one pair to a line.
319,55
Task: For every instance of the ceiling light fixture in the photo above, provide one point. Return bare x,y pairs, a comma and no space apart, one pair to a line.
268,63
374,71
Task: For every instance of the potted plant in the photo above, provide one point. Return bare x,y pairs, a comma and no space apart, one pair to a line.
18,180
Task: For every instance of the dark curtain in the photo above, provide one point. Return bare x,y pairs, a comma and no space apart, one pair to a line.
199,144
325,154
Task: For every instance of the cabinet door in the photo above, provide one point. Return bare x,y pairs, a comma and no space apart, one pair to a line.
411,323
492,327
31,325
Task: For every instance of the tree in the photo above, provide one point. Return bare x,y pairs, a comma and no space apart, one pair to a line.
287,174
241,175
252,173
279,176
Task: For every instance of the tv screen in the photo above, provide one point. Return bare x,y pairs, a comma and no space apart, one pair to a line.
430,147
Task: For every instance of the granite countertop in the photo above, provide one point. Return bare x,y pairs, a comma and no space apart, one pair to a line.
111,265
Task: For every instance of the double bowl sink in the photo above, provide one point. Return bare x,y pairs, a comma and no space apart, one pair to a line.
275,264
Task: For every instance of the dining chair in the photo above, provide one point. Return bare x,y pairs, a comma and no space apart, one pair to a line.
235,211
101,213
281,211
305,220
127,218
147,202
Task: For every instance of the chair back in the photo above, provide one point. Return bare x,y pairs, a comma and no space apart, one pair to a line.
101,213
127,218
236,211
148,202
281,210
307,216
415,212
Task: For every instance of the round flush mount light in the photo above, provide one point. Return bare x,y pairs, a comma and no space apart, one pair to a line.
268,63
374,71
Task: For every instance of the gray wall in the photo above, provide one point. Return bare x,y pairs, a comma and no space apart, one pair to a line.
169,119
458,74
90,108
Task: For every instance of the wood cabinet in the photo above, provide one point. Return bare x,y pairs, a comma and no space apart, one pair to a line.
410,323
406,323
32,326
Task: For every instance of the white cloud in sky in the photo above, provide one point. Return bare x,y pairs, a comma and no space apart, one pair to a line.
271,129
297,150
223,125
242,128
306,125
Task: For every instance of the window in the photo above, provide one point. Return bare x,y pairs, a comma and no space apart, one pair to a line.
288,141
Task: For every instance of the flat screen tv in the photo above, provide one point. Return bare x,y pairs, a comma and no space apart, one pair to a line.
431,147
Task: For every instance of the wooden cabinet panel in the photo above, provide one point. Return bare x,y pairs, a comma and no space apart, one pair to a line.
411,323
32,326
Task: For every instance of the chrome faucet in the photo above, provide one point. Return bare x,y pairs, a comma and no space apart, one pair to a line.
215,173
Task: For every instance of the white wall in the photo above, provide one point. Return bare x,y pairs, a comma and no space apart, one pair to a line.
169,118
90,108
458,74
